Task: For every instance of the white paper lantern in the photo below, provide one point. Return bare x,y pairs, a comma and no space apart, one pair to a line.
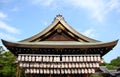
69,71
89,71
63,58
21,64
47,71
77,65
26,58
95,58
62,71
93,71
85,58
82,70
66,71
29,58
70,59
79,71
77,58
51,71
19,58
22,58
58,71
74,58
70,65
97,65
88,58
86,71
91,65
98,58
37,59
50,58
81,58
91,58
75,71
37,71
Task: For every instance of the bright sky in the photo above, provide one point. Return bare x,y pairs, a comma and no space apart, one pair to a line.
98,19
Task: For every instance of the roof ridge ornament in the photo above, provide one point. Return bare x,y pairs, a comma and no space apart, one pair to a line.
59,17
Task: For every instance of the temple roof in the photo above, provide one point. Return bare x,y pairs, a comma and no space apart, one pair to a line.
59,24
61,35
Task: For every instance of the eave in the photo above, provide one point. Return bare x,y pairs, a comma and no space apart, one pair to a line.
59,44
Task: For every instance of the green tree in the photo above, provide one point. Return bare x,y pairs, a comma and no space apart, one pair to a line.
7,61
116,62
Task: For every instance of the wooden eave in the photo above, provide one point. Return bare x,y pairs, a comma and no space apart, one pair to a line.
54,44
57,20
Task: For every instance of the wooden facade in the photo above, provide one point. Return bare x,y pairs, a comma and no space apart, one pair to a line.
59,51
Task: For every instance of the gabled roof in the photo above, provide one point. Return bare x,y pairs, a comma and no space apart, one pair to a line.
59,22
60,35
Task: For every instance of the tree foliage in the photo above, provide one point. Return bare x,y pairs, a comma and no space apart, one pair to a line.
115,63
7,62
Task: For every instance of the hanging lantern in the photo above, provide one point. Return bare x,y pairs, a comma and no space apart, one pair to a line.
70,65
69,71
21,64
84,58
91,58
70,58
37,59
22,58
91,65
19,58
75,71
26,57
79,71
89,71
27,71
82,70
81,58
80,65
77,58
31,70
62,71
97,65
86,71
87,65
76,65
58,71
65,71
47,71
63,58
74,58
88,58
93,71
29,58
98,58
72,70
83,65
37,71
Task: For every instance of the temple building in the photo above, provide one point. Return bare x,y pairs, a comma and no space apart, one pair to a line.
59,51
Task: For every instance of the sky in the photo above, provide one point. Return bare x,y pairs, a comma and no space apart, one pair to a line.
98,19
